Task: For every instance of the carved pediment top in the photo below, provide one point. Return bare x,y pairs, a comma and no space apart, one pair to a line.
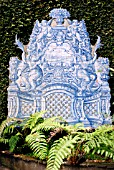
59,50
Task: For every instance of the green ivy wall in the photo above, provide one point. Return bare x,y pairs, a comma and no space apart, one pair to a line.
18,17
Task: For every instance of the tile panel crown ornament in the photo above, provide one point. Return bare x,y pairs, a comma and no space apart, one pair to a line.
59,15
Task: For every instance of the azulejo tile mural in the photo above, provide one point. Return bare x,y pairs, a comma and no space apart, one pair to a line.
60,73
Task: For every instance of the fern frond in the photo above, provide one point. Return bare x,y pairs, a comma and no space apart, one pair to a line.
59,151
11,127
34,119
104,129
13,142
100,142
3,140
103,150
72,129
48,124
37,143
6,123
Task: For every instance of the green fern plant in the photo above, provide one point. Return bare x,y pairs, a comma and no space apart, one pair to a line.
38,144
6,123
52,126
48,124
6,129
77,141
3,140
59,151
34,120
100,142
11,133
51,140
13,142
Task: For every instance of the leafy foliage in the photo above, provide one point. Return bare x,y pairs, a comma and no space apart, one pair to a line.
46,126
6,123
59,151
3,140
34,120
13,142
99,142
53,141
7,129
38,144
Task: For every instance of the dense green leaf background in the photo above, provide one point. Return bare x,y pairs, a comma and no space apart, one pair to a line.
18,17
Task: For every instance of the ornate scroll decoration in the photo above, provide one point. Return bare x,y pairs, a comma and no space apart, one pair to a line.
59,56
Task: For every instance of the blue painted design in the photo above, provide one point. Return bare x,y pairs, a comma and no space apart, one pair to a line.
59,72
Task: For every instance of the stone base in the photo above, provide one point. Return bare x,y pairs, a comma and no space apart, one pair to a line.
22,162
